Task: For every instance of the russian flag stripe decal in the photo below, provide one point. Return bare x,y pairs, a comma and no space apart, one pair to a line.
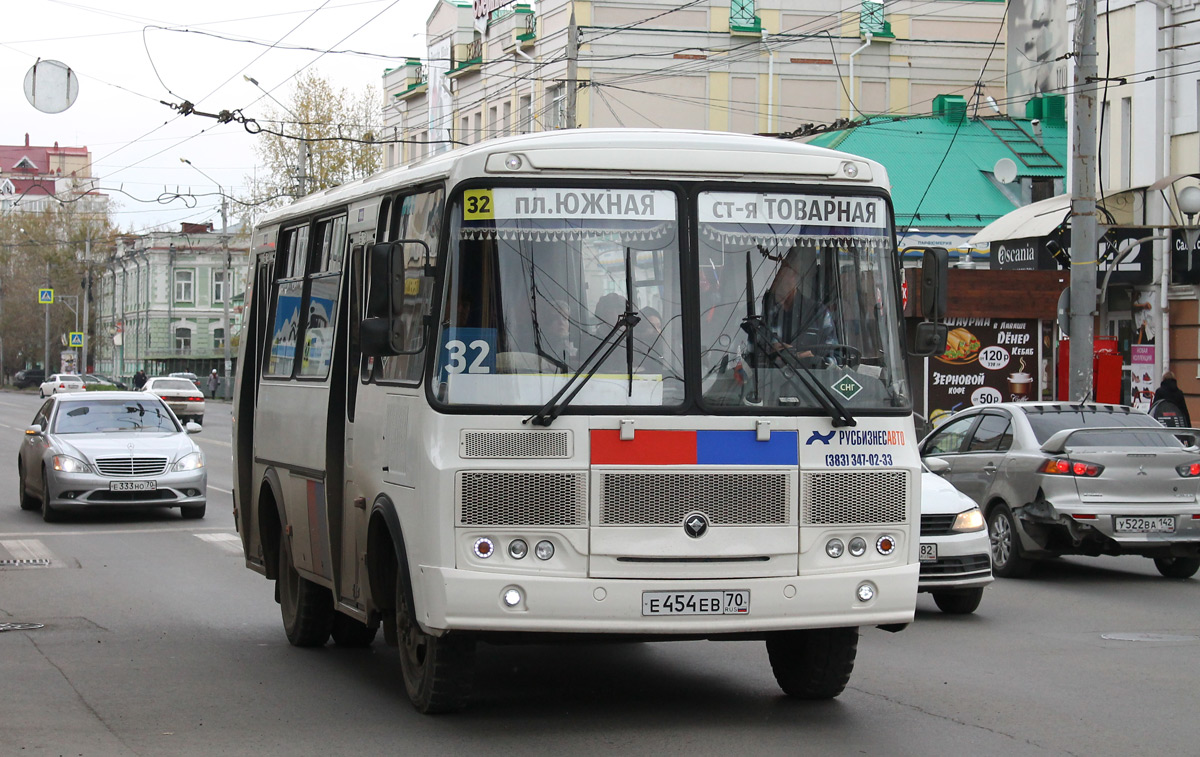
694,448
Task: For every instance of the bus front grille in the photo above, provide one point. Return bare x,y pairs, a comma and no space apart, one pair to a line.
856,497
495,498
729,499
515,444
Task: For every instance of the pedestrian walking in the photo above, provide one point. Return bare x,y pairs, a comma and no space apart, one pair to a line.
139,379
1170,405
213,382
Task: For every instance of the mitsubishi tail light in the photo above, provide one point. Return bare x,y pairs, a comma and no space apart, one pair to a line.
1061,466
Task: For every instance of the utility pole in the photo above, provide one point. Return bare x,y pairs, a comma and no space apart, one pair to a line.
572,69
46,340
226,291
1083,204
87,295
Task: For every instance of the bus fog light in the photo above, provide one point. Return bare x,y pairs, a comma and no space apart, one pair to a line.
850,169
865,591
886,544
544,550
512,597
517,549
834,548
858,546
484,547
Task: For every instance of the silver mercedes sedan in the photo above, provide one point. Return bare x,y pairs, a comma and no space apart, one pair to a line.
110,449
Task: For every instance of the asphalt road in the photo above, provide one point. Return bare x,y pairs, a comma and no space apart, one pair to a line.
157,641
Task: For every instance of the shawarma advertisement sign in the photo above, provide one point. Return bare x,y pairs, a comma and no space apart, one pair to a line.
987,360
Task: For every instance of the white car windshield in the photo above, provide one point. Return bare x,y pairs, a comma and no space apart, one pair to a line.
104,416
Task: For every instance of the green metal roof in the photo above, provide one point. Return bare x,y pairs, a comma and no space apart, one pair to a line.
962,194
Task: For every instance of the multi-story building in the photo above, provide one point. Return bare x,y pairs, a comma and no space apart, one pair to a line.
500,67
30,175
163,298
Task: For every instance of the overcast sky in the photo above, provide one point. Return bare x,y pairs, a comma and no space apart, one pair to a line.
125,68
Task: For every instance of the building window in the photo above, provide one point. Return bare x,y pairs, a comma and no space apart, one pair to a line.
184,281
556,107
218,285
1126,141
218,339
741,12
183,340
525,114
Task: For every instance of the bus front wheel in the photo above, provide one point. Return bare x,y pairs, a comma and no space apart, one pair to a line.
438,670
814,663
307,608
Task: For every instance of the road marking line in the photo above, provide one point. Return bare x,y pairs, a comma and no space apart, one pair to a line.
231,543
217,488
117,532
28,549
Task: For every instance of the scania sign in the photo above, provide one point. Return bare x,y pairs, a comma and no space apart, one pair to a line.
1013,256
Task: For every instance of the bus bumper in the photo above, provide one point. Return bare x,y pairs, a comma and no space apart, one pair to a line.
476,601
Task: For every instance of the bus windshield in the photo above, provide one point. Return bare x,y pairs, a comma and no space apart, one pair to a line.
538,279
798,306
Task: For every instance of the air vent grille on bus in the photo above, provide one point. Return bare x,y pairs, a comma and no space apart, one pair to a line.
515,444
854,497
488,498
729,499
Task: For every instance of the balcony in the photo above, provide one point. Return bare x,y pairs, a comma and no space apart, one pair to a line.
466,59
515,27
414,79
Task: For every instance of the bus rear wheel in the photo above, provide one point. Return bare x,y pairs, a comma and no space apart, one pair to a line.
815,663
437,670
307,608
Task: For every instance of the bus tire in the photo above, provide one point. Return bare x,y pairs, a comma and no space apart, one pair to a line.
306,607
437,670
349,632
814,663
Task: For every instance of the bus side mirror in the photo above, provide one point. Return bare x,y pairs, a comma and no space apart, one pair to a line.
375,337
930,339
935,269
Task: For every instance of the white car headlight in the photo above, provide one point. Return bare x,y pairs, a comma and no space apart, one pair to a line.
968,520
193,461
70,465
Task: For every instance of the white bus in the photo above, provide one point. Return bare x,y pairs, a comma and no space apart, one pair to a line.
593,383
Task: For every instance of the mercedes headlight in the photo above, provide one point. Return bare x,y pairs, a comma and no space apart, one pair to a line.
193,461
70,465
968,520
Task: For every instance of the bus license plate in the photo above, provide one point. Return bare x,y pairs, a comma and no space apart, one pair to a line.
696,602
132,486
928,553
1162,524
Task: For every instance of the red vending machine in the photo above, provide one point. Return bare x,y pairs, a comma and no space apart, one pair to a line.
1106,370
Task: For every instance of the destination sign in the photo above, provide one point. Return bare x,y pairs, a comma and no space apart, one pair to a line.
822,210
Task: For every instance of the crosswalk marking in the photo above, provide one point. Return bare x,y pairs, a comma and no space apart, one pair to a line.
229,542
28,549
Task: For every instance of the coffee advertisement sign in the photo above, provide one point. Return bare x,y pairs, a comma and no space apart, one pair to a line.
987,360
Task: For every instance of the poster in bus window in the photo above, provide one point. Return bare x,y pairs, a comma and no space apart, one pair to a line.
987,360
287,324
318,336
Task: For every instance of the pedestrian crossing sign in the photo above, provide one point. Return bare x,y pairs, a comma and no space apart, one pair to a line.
45,296
76,339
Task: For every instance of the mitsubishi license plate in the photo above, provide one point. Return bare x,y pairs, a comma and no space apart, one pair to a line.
132,486
1155,524
721,602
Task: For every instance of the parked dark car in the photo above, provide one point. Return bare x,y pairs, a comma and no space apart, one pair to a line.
28,377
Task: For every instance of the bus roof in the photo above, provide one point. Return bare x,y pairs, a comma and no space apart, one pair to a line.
612,153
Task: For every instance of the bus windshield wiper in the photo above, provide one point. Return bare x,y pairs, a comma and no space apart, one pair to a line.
760,338
552,409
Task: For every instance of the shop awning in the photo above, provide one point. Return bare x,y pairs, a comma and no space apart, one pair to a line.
1040,218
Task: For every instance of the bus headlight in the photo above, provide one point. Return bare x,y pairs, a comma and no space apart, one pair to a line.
544,550
484,547
517,549
858,546
885,544
834,548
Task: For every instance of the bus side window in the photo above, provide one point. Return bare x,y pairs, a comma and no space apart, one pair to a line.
420,217
285,325
324,286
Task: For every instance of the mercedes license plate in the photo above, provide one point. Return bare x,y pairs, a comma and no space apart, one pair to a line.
928,553
132,486
735,602
1155,524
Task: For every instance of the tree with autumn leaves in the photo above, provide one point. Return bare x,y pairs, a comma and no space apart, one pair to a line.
322,134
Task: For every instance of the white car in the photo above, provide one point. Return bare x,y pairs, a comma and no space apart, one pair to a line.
183,397
956,562
61,383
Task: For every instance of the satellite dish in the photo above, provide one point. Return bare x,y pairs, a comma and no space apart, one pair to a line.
51,86
1005,171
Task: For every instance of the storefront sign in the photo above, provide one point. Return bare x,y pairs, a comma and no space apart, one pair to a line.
1028,254
987,360
1185,263
484,8
1136,266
